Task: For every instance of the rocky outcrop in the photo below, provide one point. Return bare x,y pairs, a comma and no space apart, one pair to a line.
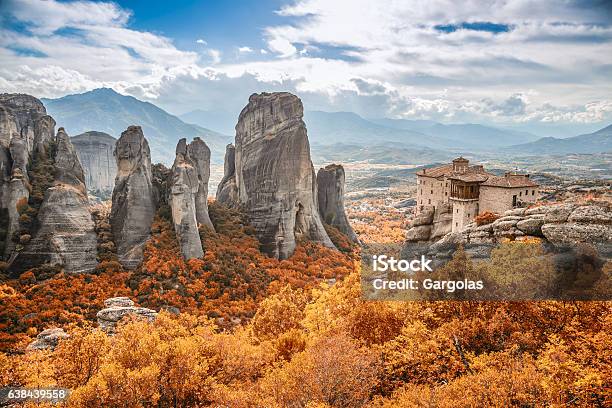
65,234
119,307
184,187
274,176
47,339
95,151
25,129
227,191
199,154
430,224
330,194
559,227
25,115
133,199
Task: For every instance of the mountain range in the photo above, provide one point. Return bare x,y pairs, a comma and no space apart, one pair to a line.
596,142
334,136
105,110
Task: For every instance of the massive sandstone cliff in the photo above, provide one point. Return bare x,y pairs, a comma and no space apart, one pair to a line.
95,150
330,192
274,177
134,201
65,234
25,130
188,195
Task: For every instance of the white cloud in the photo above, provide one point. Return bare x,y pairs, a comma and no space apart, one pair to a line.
551,64
215,55
281,46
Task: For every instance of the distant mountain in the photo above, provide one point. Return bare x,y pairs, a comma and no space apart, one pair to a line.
596,142
219,121
105,110
468,134
379,153
347,127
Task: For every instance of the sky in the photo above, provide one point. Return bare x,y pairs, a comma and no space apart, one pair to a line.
540,65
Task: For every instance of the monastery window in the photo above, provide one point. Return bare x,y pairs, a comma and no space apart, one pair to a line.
456,224
446,193
457,211
520,194
532,192
526,192
431,191
429,201
468,215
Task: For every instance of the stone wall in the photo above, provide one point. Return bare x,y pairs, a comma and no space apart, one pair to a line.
498,199
431,192
464,212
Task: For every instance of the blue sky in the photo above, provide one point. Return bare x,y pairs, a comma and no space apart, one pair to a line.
533,64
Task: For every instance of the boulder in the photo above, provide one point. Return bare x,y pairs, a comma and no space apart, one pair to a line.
571,233
116,309
274,176
420,233
95,151
120,301
531,226
425,217
47,339
330,194
183,190
591,214
558,213
66,232
133,199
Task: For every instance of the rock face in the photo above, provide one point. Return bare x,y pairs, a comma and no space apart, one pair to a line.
330,194
430,224
48,339
119,307
66,235
274,176
25,129
134,201
227,191
199,154
95,151
189,194
558,226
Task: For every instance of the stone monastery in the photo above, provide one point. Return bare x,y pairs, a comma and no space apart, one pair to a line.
468,191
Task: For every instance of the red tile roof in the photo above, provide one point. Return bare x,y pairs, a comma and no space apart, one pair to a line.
510,181
436,171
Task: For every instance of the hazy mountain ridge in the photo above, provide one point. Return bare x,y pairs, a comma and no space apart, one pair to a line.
105,110
596,142
475,135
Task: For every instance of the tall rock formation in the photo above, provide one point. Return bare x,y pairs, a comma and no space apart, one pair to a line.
199,153
188,195
134,201
227,191
95,150
274,176
25,130
330,193
65,235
